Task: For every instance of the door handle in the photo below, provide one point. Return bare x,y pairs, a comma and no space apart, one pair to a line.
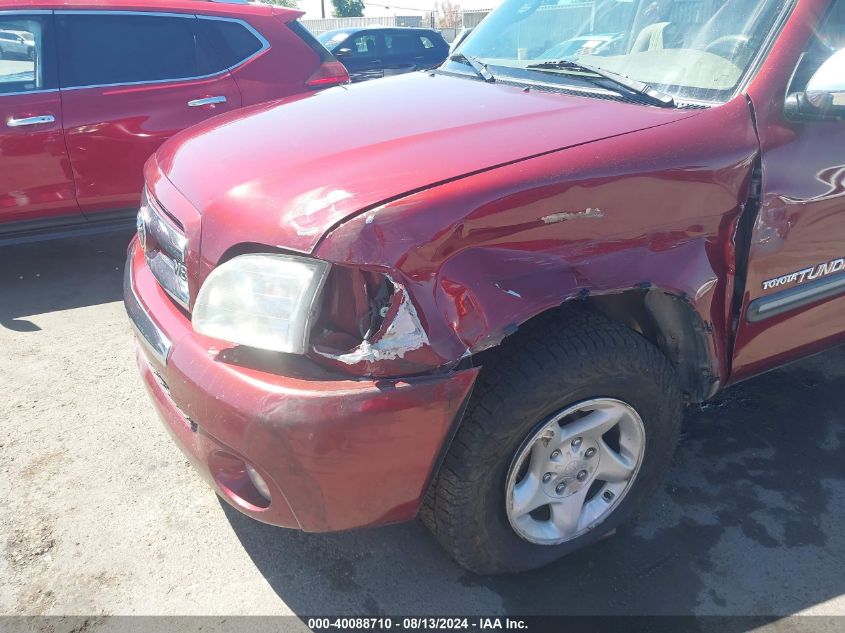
196,103
31,120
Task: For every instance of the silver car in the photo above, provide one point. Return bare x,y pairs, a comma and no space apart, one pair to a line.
16,45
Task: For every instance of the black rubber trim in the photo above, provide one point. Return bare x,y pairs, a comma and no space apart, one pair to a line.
450,436
786,300
313,43
23,232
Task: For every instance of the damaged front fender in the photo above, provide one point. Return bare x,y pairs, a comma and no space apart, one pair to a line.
480,256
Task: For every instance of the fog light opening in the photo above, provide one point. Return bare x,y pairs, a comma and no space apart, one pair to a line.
259,483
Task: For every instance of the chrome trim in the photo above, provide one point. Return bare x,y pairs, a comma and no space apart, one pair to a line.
265,45
28,92
196,103
767,307
31,120
164,250
25,11
170,275
150,334
152,82
162,14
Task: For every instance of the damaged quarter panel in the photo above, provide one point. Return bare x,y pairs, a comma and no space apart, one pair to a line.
478,256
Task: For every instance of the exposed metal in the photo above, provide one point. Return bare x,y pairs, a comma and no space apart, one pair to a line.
403,333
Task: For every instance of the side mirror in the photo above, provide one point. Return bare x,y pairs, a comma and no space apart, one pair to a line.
343,52
824,98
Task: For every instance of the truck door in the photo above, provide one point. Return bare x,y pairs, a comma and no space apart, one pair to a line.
794,301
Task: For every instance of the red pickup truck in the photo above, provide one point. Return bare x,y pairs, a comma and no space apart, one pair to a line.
484,294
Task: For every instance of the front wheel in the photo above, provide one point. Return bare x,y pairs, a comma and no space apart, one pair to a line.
571,426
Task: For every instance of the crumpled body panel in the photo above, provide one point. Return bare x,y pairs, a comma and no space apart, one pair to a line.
481,255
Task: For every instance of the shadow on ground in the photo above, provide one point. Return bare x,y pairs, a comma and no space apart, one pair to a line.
59,275
748,523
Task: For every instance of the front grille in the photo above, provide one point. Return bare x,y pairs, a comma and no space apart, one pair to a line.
164,247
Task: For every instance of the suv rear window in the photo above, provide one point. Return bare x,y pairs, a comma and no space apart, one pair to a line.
232,41
103,49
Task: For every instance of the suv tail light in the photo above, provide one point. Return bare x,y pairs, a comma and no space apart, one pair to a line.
329,73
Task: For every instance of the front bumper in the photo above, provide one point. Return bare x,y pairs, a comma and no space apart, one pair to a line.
335,453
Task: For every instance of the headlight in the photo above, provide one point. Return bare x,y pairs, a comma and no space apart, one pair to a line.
266,301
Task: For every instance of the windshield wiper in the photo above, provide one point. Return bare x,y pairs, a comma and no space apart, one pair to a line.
649,94
479,67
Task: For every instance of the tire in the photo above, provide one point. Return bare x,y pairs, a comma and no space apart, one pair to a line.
563,360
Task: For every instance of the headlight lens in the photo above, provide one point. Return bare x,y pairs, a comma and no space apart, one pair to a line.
266,301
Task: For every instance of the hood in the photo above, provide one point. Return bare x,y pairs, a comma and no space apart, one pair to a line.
284,173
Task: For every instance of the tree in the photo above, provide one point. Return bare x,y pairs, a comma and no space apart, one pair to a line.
448,14
348,8
290,4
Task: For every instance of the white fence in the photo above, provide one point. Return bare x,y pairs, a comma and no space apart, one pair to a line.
471,19
318,25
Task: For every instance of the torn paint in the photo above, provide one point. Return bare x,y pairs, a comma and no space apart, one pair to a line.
403,334
507,291
566,215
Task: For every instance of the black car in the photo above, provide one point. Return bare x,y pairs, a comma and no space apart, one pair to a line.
373,52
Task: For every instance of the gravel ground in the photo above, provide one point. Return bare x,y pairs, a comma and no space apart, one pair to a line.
102,514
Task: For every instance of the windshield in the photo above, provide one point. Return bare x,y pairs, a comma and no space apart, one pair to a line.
692,49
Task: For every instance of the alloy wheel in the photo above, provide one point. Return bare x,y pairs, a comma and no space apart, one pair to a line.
574,470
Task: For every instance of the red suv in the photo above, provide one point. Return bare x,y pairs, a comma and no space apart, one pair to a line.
484,293
93,88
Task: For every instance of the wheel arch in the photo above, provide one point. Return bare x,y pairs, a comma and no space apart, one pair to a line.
668,321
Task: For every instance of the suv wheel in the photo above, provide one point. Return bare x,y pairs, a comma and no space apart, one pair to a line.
571,426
